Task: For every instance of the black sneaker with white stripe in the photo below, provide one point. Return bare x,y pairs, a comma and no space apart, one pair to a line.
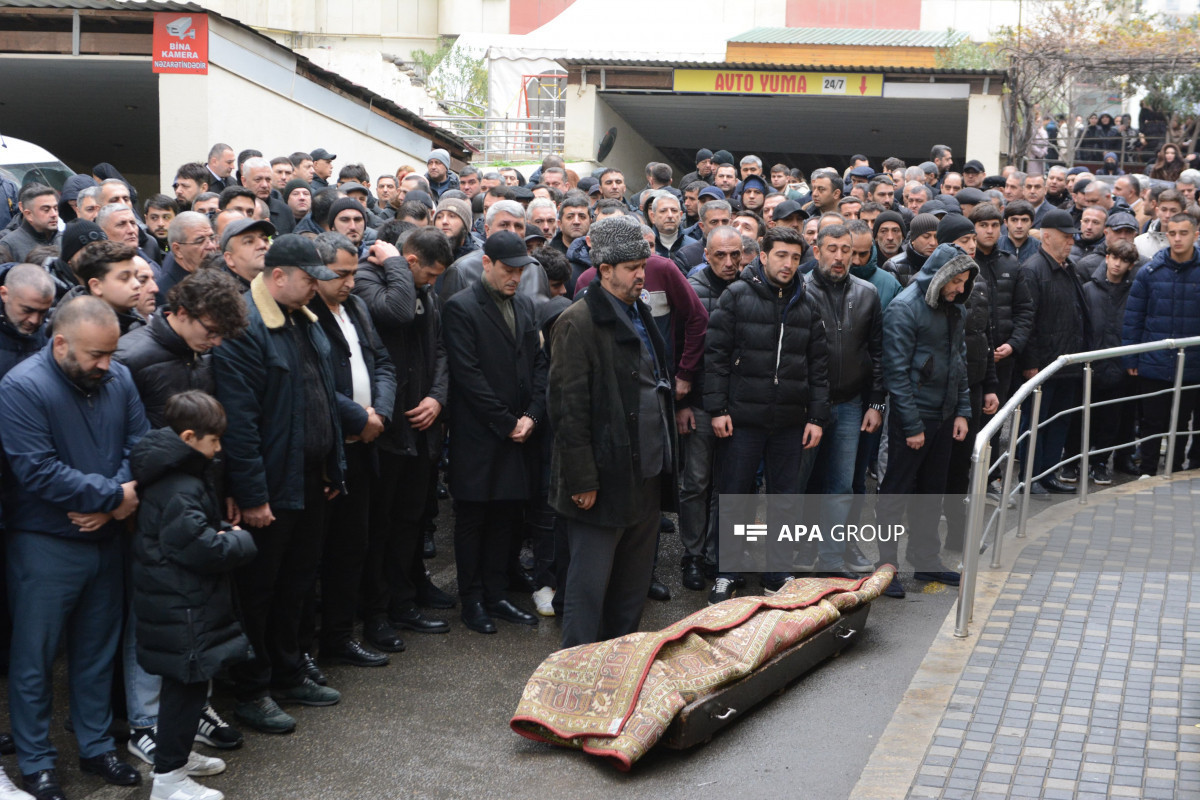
141,744
216,732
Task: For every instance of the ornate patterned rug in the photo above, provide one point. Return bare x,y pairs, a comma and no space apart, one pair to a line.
617,698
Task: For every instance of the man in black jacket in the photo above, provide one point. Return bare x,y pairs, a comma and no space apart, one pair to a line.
766,381
1059,327
172,354
922,240
498,398
284,463
26,296
39,223
697,500
398,292
365,380
851,312
613,464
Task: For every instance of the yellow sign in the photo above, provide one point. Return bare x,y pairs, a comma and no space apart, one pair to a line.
722,81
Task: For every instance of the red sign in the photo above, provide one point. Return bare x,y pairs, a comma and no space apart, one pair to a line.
181,42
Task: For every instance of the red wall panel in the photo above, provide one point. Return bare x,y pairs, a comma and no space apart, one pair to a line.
528,15
885,14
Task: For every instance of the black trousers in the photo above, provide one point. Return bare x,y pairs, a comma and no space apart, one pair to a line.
483,533
179,708
274,590
399,501
345,550
1112,425
958,478
1156,420
914,472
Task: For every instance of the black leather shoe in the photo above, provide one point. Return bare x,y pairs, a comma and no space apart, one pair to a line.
429,547
475,618
112,769
414,620
430,596
442,492
693,578
521,581
309,668
383,636
658,591
43,785
7,746
354,654
510,613
665,525
1056,486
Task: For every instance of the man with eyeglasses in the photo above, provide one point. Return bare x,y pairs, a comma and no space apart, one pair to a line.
191,238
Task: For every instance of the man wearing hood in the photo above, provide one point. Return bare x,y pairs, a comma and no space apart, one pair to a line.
766,381
925,373
1110,165
68,205
922,239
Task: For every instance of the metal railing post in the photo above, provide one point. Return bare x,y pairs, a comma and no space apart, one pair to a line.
1030,450
1006,487
1173,428
1085,444
974,535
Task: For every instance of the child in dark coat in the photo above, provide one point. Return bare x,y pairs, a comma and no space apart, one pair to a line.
183,601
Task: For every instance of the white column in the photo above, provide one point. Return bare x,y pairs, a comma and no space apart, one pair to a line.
985,131
183,130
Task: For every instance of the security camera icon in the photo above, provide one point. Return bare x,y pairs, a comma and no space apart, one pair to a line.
181,28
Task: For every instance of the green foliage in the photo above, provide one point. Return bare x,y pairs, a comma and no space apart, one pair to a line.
454,77
969,55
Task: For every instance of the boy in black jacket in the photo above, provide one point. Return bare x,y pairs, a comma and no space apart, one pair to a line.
183,601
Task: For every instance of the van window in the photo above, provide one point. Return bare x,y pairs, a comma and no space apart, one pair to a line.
51,173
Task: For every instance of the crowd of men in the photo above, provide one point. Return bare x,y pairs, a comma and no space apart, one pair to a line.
580,355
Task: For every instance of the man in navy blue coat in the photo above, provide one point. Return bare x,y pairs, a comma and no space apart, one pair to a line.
72,415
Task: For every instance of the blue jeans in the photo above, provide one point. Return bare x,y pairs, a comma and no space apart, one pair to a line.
142,689
833,472
62,587
786,465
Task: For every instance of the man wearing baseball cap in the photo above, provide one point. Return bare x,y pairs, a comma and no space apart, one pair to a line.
322,168
973,174
284,461
497,412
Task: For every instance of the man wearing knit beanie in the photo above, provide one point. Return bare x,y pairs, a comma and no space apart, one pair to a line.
922,239
929,403
888,231
610,379
438,172
348,217
957,229
453,218
298,196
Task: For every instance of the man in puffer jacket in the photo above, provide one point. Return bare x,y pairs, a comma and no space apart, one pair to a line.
1164,303
187,628
925,373
1106,293
766,381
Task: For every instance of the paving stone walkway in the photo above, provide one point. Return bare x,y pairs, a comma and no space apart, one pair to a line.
1085,680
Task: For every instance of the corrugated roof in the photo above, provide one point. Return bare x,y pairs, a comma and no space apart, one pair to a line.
858,37
727,65
341,83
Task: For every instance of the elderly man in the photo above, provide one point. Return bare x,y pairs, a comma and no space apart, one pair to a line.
72,417
191,238
665,216
611,381
258,177
506,215
284,462
27,295
498,399
1059,328
244,245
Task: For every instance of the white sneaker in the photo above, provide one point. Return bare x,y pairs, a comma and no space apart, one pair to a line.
176,785
543,598
10,792
202,766
1144,477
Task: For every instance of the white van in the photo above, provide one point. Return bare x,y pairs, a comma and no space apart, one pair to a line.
24,162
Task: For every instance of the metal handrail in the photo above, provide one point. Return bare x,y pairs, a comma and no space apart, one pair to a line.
981,465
